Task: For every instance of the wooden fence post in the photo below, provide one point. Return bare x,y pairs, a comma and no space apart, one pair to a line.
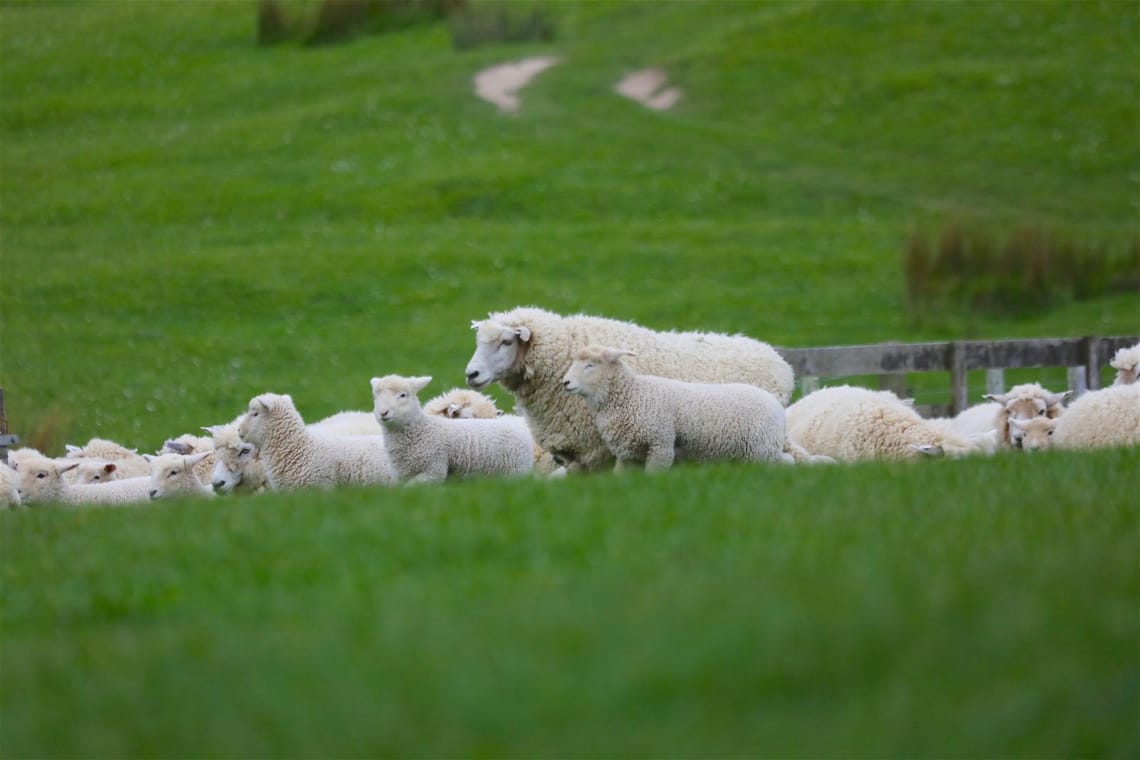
5,439
995,381
1091,348
959,382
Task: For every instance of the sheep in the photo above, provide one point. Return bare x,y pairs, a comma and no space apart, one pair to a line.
1033,434
295,457
428,449
851,423
1106,417
237,466
461,403
650,420
1025,402
347,423
528,350
95,471
9,487
42,481
1126,362
176,475
188,443
128,462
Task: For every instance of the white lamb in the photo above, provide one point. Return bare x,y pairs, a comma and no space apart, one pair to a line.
129,463
528,350
176,475
650,420
95,471
1032,435
9,487
237,466
428,449
1106,417
42,481
461,403
1024,402
187,444
295,457
851,423
1126,362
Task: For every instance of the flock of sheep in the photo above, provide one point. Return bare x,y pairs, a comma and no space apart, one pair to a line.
590,393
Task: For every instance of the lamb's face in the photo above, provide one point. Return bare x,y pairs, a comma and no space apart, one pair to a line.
394,400
462,404
173,474
41,480
229,465
1033,434
96,472
498,350
583,376
253,424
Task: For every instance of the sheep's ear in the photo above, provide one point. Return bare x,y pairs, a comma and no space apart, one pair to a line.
69,467
523,332
475,323
1016,424
1055,398
212,429
375,383
148,457
611,355
178,447
929,450
193,459
1001,398
71,448
259,402
419,383
453,411
110,467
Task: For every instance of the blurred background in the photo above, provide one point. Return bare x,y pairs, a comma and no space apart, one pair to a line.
201,201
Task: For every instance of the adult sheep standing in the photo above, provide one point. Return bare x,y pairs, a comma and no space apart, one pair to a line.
528,350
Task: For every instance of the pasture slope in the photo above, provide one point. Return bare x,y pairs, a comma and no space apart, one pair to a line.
187,220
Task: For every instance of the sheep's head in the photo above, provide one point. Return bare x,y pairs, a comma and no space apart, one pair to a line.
500,351
173,474
1029,400
394,398
1033,434
261,409
96,472
1126,362
41,480
592,369
460,403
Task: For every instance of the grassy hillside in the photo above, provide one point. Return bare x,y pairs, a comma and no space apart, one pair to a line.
187,220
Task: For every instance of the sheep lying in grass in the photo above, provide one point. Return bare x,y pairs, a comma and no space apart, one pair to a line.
1103,418
128,462
187,444
237,466
42,481
1024,402
95,471
176,475
1126,362
9,487
528,350
428,449
655,421
293,456
851,423
1032,435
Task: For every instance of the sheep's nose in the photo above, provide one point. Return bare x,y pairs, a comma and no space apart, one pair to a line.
566,384
472,374
154,494
217,484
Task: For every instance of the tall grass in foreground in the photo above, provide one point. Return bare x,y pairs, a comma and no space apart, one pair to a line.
972,608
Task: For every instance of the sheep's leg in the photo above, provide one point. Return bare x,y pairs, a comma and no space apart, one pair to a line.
660,457
625,465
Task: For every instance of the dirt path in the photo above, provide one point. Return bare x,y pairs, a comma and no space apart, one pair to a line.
500,84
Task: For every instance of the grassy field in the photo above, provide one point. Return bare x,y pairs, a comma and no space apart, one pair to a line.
187,220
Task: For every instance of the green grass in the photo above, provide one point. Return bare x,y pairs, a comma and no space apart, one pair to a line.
187,220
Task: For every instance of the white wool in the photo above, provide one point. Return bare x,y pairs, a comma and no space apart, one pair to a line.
9,487
654,421
1033,434
295,457
1126,362
528,350
129,463
176,475
851,423
461,403
42,482
347,423
427,448
193,444
1104,418
237,466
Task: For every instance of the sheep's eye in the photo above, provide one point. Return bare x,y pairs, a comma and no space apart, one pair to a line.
1050,432
402,395
41,476
172,473
244,451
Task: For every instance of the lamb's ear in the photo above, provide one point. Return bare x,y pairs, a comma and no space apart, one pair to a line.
1001,398
69,467
419,383
178,447
929,450
71,448
475,323
1015,424
148,457
453,411
213,429
193,459
375,383
611,355
261,403
523,333
1055,398
110,467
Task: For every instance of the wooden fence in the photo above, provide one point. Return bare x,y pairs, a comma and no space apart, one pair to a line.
1084,358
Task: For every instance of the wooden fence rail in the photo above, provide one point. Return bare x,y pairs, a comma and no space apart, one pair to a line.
1084,357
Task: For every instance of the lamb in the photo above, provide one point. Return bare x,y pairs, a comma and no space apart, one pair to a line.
1025,402
176,475
187,444
461,403
1032,435
95,471
528,350
851,423
295,457
42,481
1106,417
9,487
128,462
1126,362
428,449
237,466
656,420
